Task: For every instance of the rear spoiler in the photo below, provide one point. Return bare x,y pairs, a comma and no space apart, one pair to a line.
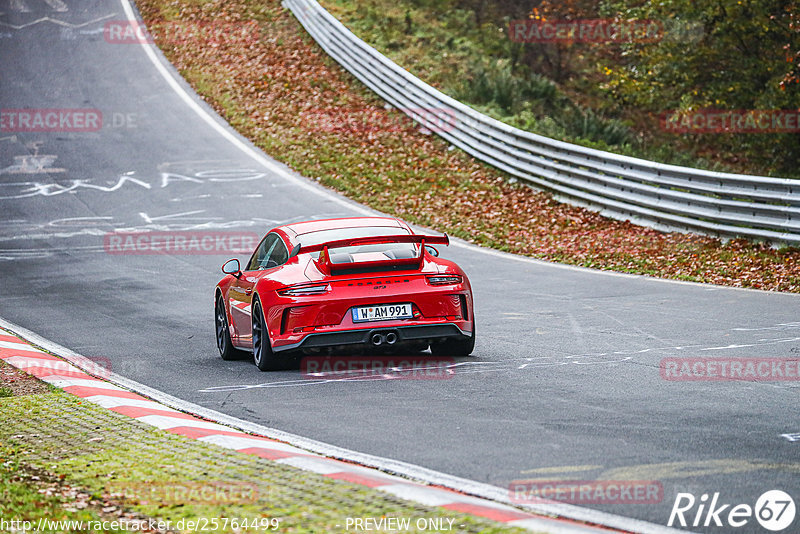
324,257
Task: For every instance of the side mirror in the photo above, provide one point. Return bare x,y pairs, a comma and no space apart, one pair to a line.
432,251
232,267
294,251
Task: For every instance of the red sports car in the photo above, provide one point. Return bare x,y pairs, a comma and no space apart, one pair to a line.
358,283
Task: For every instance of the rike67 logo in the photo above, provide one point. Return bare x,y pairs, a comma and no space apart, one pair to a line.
774,510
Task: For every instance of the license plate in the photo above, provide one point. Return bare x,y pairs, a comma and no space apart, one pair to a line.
383,312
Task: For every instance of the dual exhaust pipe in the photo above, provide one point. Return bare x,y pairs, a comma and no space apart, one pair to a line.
379,338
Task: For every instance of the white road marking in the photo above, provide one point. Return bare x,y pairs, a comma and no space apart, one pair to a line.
421,494
321,466
778,327
54,21
237,443
17,346
182,216
165,422
61,382
57,5
109,401
52,189
761,343
20,6
33,164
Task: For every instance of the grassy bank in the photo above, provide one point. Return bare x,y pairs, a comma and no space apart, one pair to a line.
65,459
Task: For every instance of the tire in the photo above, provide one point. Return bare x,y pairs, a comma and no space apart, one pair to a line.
263,357
455,348
226,349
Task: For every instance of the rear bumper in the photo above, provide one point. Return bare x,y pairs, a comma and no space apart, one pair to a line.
362,336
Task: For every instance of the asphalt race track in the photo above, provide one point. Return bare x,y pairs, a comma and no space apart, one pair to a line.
565,380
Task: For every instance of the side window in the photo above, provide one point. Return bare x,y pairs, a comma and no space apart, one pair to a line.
279,255
259,259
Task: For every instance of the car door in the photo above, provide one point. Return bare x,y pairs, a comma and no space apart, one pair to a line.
240,292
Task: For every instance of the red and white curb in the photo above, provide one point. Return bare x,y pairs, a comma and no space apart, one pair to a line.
77,381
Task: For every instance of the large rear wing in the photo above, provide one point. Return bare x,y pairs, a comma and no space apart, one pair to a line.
414,262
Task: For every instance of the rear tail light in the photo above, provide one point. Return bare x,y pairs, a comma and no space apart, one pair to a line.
444,280
316,289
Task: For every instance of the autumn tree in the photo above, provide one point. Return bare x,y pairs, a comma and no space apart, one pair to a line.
720,54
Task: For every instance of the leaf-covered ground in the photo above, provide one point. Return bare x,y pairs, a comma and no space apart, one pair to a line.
14,382
276,86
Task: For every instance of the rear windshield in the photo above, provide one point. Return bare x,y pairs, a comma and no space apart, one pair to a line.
363,252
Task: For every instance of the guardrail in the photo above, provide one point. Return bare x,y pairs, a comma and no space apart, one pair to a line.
655,194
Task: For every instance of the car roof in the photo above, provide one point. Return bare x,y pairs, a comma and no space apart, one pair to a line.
305,227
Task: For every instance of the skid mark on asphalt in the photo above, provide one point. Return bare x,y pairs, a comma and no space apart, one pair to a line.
576,328
562,469
624,324
662,471
678,470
